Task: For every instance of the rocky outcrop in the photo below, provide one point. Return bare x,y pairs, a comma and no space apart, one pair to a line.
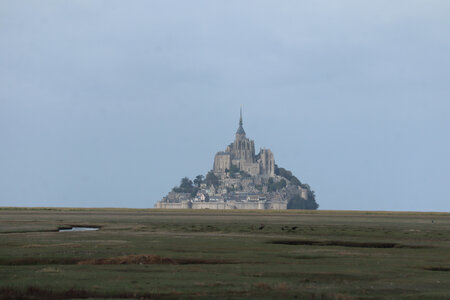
241,179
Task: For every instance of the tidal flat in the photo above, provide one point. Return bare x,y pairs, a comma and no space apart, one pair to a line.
205,254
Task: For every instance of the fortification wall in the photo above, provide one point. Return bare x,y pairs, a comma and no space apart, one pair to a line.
249,205
180,205
223,205
210,205
277,205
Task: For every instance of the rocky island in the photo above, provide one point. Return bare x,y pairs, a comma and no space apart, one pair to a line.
241,179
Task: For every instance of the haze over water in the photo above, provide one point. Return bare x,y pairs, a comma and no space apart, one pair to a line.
111,103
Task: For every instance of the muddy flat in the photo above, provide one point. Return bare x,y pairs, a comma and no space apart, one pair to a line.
187,254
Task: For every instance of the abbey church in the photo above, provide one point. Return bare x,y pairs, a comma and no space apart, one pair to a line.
241,179
241,153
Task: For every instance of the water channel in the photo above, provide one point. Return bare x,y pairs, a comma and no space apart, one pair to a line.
78,229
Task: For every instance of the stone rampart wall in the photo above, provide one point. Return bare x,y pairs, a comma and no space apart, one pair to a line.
224,205
181,205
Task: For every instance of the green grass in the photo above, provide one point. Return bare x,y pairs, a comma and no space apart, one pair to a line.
225,254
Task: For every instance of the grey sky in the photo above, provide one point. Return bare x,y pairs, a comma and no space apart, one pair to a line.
110,103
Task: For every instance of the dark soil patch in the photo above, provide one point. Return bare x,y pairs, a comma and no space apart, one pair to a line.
259,290
305,256
130,260
438,269
39,261
150,260
342,244
38,293
195,261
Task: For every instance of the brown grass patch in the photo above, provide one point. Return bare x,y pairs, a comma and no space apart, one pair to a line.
49,270
149,259
130,260
39,261
282,286
212,284
344,244
262,286
146,259
71,245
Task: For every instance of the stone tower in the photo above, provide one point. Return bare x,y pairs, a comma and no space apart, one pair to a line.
243,149
266,162
241,153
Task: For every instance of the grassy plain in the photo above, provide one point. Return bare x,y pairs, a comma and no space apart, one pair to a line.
166,254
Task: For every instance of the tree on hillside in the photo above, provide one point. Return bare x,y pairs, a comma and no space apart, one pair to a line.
288,175
186,186
275,186
297,202
244,174
283,173
234,170
198,180
294,180
211,179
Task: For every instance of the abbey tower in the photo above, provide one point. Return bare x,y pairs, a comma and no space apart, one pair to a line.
241,179
241,155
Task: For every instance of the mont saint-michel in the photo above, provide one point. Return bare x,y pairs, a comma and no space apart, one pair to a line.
242,179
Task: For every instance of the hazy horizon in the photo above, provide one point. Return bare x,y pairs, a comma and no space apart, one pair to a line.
111,103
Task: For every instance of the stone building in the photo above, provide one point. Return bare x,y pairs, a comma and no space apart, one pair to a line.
241,154
244,180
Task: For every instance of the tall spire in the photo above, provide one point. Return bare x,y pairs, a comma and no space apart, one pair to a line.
240,121
240,130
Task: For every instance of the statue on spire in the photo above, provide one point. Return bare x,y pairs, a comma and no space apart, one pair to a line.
240,130
240,122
